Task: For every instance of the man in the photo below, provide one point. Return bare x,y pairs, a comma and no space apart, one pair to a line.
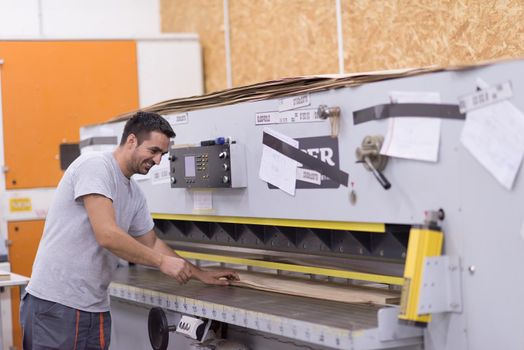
99,214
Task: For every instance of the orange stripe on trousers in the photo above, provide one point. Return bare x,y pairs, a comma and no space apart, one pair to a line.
102,340
76,327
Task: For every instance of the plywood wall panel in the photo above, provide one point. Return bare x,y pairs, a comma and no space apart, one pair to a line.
412,33
205,17
486,30
278,38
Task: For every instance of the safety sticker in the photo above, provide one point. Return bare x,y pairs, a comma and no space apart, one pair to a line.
484,97
175,119
297,116
20,205
289,103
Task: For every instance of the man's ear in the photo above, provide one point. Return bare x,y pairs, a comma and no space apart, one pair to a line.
132,140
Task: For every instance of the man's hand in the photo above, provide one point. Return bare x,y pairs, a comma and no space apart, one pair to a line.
218,277
176,267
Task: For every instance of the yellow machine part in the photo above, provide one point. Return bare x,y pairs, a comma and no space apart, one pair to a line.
423,242
295,268
333,225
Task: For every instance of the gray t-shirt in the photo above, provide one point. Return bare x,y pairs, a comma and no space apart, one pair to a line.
71,268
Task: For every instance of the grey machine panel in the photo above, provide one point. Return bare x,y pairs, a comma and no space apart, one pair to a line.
416,186
483,222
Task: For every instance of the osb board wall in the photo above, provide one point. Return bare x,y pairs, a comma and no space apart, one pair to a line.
413,33
276,38
205,17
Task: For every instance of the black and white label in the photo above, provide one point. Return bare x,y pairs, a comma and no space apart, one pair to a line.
293,102
175,119
324,148
297,116
307,175
160,176
485,97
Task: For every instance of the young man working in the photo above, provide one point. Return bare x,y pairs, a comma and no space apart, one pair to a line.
99,214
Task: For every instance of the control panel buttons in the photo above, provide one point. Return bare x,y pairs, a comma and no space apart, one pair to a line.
204,166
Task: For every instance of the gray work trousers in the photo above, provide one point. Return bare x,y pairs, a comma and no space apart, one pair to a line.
48,325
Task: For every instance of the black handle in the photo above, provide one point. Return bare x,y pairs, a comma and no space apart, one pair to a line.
378,174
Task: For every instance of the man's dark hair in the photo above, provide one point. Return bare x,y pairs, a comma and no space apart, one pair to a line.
142,123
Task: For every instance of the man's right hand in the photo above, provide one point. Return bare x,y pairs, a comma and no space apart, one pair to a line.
176,267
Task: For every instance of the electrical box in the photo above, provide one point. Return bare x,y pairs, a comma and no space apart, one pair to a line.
213,166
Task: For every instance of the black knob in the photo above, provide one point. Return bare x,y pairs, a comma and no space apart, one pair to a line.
158,329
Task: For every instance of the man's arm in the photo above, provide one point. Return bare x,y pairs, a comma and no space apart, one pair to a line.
110,236
220,277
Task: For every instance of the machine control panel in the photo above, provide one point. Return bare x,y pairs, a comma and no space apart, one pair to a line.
211,166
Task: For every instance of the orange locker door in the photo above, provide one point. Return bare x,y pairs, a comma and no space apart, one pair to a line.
52,88
24,237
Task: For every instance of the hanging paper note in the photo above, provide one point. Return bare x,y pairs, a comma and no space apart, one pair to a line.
494,135
413,137
276,168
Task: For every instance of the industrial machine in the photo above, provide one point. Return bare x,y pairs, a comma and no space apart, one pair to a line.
407,181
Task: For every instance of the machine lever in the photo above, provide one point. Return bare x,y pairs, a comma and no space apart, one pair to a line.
378,174
369,155
333,113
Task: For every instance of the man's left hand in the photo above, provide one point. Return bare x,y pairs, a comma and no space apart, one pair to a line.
217,277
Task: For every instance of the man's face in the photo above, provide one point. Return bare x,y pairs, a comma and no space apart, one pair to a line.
149,152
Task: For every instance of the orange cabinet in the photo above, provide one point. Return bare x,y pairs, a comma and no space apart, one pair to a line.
24,237
49,90
52,88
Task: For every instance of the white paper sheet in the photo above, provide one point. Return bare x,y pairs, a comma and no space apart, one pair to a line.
413,137
276,168
202,201
494,135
